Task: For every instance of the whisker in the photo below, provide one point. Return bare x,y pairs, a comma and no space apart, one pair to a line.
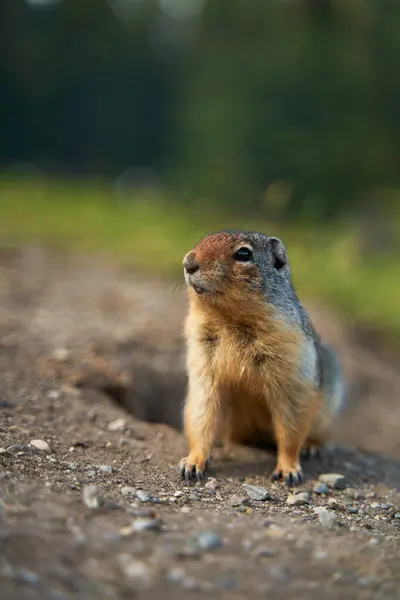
179,286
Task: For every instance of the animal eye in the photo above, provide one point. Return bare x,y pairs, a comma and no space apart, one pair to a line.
243,254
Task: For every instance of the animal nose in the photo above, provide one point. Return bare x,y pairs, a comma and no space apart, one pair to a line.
190,265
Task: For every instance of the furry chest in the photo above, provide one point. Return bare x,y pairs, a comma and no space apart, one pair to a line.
239,360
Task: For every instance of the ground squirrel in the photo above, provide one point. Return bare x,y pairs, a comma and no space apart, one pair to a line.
256,366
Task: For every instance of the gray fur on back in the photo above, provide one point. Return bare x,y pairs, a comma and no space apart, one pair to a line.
331,377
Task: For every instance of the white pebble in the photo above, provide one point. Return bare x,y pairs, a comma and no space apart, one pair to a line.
326,517
91,497
40,445
116,425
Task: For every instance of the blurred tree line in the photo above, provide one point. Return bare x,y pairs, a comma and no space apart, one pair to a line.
290,106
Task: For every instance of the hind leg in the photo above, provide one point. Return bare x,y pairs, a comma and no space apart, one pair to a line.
312,449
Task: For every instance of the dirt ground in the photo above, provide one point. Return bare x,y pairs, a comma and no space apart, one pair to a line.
82,341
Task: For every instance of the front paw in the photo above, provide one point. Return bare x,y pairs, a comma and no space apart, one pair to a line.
291,476
192,468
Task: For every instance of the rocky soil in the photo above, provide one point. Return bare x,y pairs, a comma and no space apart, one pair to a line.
91,505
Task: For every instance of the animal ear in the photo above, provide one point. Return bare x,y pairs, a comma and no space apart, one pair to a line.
278,251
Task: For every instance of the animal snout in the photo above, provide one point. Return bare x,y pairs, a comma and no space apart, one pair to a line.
190,264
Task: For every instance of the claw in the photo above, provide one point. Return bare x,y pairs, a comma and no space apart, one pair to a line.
311,452
190,472
292,478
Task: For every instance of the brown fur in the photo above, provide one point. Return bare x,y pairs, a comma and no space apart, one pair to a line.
242,365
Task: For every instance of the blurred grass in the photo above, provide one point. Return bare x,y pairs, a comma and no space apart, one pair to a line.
152,234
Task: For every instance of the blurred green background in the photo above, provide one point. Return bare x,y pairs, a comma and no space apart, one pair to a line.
133,127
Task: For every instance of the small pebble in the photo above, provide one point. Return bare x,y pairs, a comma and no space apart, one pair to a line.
90,473
178,494
279,573
320,554
105,468
21,448
297,499
146,525
189,583
61,354
265,551
116,425
92,497
248,544
135,570
53,394
353,493
333,480
373,541
365,581
238,501
326,517
352,510
274,531
397,515
227,583
211,484
255,492
128,490
176,574
3,451
208,540
142,496
375,505
147,513
320,488
333,503
28,577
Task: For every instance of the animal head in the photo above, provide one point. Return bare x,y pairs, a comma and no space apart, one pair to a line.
236,265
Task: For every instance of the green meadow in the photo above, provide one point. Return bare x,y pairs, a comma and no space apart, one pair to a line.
151,233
